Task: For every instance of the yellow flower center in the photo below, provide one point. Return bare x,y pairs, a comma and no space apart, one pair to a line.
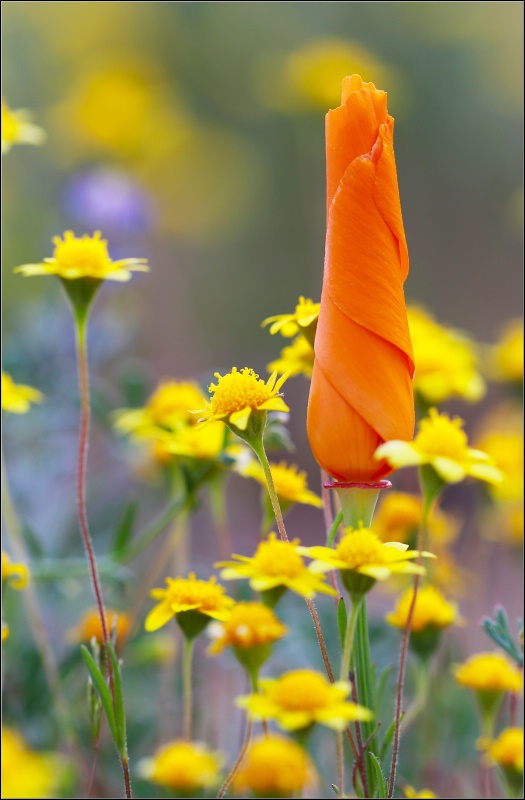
88,253
172,398
439,435
306,310
208,595
289,484
238,390
490,672
302,690
252,624
361,548
278,558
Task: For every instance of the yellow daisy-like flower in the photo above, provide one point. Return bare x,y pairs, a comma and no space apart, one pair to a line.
17,398
301,698
505,448
296,359
168,407
363,559
16,574
274,767
276,564
290,484
89,626
443,444
249,625
490,672
430,611
84,257
305,316
399,515
506,357
191,441
409,791
506,750
183,766
445,359
26,773
238,395
207,598
17,128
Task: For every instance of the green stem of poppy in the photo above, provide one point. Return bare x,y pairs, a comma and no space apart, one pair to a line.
188,657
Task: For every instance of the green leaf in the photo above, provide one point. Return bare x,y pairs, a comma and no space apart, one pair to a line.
382,783
341,621
381,684
124,528
335,527
103,691
120,713
387,740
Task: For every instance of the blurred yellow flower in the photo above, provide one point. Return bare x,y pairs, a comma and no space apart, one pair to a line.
17,398
238,395
191,441
506,750
290,484
296,359
16,574
410,792
399,515
207,598
274,767
26,773
84,257
303,319
301,698
17,128
168,406
430,611
249,625
441,443
5,631
505,359
505,448
445,359
89,626
182,766
276,564
489,672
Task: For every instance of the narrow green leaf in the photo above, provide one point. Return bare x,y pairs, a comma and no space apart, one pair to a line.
387,739
381,684
120,713
378,772
335,527
341,620
102,688
124,528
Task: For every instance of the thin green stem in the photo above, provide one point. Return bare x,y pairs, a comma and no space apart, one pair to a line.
346,660
421,693
187,686
260,452
240,759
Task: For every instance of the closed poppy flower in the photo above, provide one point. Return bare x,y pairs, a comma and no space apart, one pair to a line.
361,393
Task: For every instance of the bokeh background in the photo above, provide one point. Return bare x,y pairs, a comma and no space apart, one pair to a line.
192,133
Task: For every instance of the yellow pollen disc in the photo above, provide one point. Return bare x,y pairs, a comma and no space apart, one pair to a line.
207,594
85,254
361,548
238,390
302,691
278,558
288,482
439,435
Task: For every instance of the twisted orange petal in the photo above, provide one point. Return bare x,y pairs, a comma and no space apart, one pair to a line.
361,392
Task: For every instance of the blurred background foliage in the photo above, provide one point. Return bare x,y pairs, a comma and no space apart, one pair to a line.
192,133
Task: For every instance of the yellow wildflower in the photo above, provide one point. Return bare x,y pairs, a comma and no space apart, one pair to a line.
17,128
167,407
184,595
443,444
430,611
26,773
274,767
301,698
16,574
249,625
17,398
506,750
182,766
491,672
399,515
409,791
296,359
290,484
445,359
191,441
276,564
299,321
238,395
89,626
506,357
363,559
84,257
505,448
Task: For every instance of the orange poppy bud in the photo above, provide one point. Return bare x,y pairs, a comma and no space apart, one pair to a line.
361,392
